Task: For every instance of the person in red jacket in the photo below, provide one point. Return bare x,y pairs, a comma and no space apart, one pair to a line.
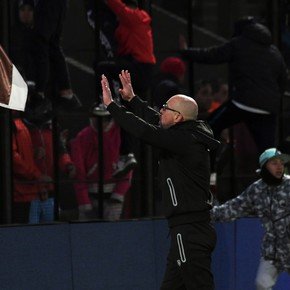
84,152
134,52
26,175
40,129
134,42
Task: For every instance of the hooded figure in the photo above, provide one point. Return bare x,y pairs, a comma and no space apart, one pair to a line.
271,176
257,79
268,199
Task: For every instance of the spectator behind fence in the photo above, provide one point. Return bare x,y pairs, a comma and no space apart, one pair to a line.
29,182
40,128
22,40
109,63
220,93
49,18
269,199
84,150
184,175
107,25
168,82
134,44
257,76
204,98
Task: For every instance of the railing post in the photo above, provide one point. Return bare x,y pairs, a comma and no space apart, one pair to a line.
5,130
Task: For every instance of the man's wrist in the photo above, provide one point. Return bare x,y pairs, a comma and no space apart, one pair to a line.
109,104
132,98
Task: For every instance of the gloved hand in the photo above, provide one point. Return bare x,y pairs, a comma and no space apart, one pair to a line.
113,209
86,212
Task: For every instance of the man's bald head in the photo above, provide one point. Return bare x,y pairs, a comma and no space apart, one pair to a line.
185,105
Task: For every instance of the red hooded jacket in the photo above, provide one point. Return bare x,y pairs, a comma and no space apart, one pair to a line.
134,33
42,141
84,150
24,167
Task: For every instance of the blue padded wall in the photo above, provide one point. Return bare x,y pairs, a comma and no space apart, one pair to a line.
224,259
116,255
35,258
236,257
161,248
128,255
248,244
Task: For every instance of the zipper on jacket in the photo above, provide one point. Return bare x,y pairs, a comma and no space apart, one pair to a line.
181,248
172,191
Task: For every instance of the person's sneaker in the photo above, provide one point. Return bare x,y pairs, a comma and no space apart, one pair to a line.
71,103
125,164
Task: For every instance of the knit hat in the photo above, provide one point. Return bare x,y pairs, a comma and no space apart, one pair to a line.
173,65
272,153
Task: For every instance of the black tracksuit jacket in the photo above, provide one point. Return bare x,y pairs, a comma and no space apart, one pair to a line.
184,165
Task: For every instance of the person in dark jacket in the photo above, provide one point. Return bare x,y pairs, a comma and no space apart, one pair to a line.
257,77
49,16
184,174
166,83
22,40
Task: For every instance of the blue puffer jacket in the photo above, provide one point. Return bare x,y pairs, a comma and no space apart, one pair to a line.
272,205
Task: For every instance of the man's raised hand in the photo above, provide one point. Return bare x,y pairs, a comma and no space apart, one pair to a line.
107,96
127,92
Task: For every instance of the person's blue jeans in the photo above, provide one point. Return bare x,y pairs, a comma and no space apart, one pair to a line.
41,211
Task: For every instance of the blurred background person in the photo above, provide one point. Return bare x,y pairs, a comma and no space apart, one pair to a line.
84,150
168,81
39,123
29,182
49,16
257,79
220,93
204,98
134,38
22,48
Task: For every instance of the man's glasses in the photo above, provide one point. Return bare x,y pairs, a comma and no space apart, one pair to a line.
165,107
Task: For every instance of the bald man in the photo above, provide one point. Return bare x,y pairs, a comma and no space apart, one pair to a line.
184,173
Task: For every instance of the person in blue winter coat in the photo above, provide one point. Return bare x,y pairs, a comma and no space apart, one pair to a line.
269,199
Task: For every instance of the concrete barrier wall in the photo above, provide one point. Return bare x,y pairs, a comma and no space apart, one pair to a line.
129,255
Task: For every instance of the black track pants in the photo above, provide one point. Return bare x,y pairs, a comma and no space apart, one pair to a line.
189,258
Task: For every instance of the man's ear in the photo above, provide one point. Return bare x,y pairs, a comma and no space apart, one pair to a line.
178,118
